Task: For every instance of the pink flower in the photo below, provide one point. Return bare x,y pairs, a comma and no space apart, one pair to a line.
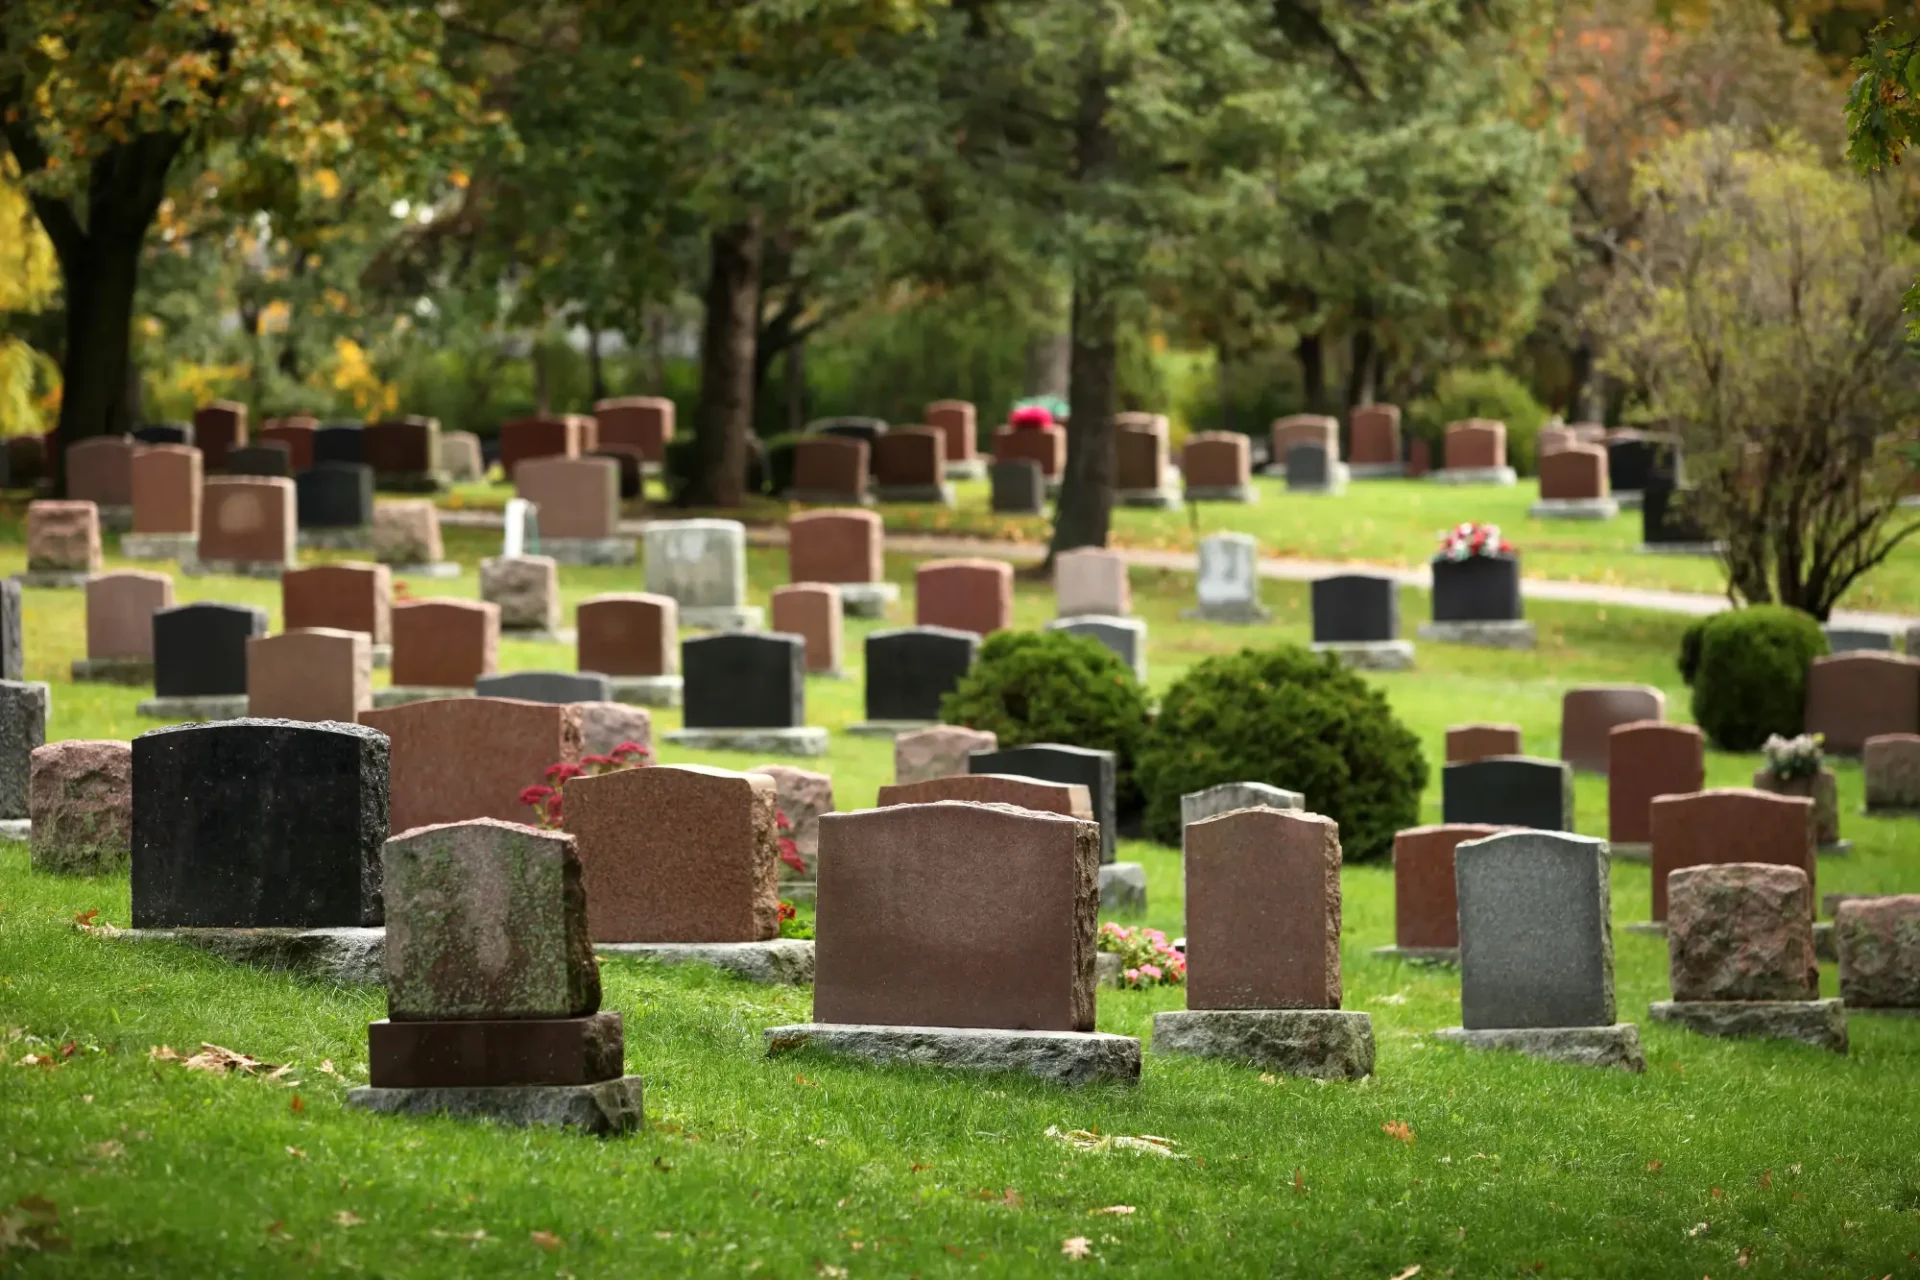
535,794
1152,971
564,770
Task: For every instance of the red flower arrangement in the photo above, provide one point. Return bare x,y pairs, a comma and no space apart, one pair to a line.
544,800
1466,540
1032,417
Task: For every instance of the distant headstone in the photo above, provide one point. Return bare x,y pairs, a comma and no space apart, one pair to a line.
1054,762
1589,713
23,728
310,675
702,565
1855,696
811,610
939,751
1355,608
1019,487
444,644
1891,763
559,687
527,589
744,680
1197,806
1509,791
335,495
461,758
1728,824
967,595
200,650
338,442
270,458
80,801
909,670
1469,742
1091,580
1229,580
348,596
1425,909
1645,760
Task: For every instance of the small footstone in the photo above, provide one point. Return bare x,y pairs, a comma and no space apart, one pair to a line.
613,1106
776,962
1330,1044
1614,1046
1070,1058
1820,1023
1123,887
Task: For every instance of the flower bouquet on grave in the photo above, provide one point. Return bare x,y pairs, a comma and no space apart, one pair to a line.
1791,758
1464,541
1147,959
1030,417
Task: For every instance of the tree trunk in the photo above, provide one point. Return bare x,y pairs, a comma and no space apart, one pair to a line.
1086,491
1313,371
796,375
1363,376
542,399
1223,373
596,366
725,413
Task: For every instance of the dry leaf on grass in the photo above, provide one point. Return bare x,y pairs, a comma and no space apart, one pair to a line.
1408,1274
1086,1140
1398,1130
38,1060
1076,1247
1299,1181
1118,1210
109,1150
296,1106
547,1240
88,922
296,1153
1655,1166
347,1218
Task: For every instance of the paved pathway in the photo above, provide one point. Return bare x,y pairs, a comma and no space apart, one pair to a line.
1688,602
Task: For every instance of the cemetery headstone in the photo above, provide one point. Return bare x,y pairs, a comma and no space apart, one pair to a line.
1729,824
80,802
404,455
12,631
1046,446
1891,762
1217,466
1303,429
1198,806
246,527
63,543
1356,617
461,456
314,674
1855,639
339,442
1426,911
441,648
164,433
811,610
747,691
1140,465
1091,580
641,422
605,725
830,469
120,609
1312,469
272,459
909,671
1228,583
1666,522
849,427
335,505
1376,451
802,796
1589,713
938,751
1070,799
1126,638
1019,487
845,548
632,638
1055,762
461,758
1573,485
200,660
561,436
24,705
958,421
297,435
1469,742
702,565
1509,791
166,485
527,589
579,501
558,687
967,595
406,534
910,465
346,596
100,471
1475,452
1855,696
1647,759
1477,601
1878,942
217,428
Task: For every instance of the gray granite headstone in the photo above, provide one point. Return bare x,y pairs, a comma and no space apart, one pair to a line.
1228,796
338,442
1228,582
334,495
1536,939
273,458
702,564
13,663
1509,791
1854,640
23,726
1307,466
1126,637
1019,488
560,687
909,669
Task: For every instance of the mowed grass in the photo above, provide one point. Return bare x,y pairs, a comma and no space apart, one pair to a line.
1726,1158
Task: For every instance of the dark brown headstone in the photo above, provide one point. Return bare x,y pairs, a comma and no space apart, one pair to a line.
1729,824
1647,759
460,758
1470,742
1426,910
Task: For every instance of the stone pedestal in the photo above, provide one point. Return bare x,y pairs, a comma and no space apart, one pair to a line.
744,617
159,546
1123,887
1370,655
648,691
867,599
1516,634
612,1106
1614,1046
604,551
211,707
1328,1044
399,695
133,671
1070,1058
347,956
1574,509
1820,1023
1475,475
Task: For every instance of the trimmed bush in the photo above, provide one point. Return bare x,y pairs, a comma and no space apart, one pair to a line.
1292,719
1689,660
1051,686
1750,677
1481,393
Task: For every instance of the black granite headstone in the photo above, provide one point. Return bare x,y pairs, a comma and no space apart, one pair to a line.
910,669
1019,487
334,495
164,433
628,458
26,461
338,442
853,428
13,663
1477,589
1052,762
265,458
1355,607
744,680
1509,791
1306,466
1630,464
256,824
1664,518
200,650
559,687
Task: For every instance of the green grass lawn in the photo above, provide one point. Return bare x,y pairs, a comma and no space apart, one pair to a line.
1725,1159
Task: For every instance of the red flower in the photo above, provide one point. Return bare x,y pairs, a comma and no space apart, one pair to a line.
626,749
596,760
781,820
535,794
786,910
1033,417
562,771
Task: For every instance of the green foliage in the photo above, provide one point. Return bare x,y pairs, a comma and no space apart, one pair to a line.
1490,392
1750,680
1689,661
1050,686
1291,719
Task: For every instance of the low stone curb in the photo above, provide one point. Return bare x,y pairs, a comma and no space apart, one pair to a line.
348,956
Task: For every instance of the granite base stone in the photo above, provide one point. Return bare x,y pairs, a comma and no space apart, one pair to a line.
1370,655
1614,1046
867,599
1517,634
776,962
1574,509
807,740
1237,615
217,707
1123,887
968,469
888,728
1474,475
134,671
540,635
1243,493
612,1106
1327,1044
1681,548
1820,1023
1419,955
648,691
1376,470
198,568
348,956
1162,499
399,695
1630,499
351,538
54,579
115,519
413,481
438,569
158,546
940,495
16,828
602,551
827,498
1071,1058
724,617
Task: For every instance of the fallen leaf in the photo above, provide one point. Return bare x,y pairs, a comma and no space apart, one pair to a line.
348,1218
326,1067
919,1168
36,1060
1408,1274
830,1271
296,1105
1697,1229
1793,1168
1655,1166
276,1228
109,1150
1766,1179
1076,1247
163,1053
1398,1130
1088,1140
811,1084
1267,1077
547,1240
88,922
1299,1181
1716,1193
1118,1210
1745,1255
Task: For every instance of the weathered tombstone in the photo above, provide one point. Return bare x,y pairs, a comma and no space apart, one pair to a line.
1228,583
406,534
1019,487
120,609
1217,466
257,824
1729,824
1856,640
200,661
1589,713
404,455
579,501
1855,696
1054,762
1046,446
909,671
272,459
462,458
605,725
1477,601
702,565
1356,617
460,758
1312,469
1573,485
561,688
560,436
80,803
1891,762
100,471
1263,949
830,469
440,649
63,544
910,465
1426,911
1509,791
1536,950
335,505
803,796
747,691
1140,465
1091,580
166,484
677,853
1647,759
313,674
640,422
527,589
1740,955
297,435
1198,806
633,639
1475,452
1470,742
1552,440
1003,982
939,751
474,1028
811,610
339,442
1125,637
1878,943
845,548
246,527
217,428
1376,452
967,595
347,596
24,705
958,421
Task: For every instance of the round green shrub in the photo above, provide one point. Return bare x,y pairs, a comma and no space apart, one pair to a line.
1493,393
1291,719
1052,686
1750,679
1689,660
